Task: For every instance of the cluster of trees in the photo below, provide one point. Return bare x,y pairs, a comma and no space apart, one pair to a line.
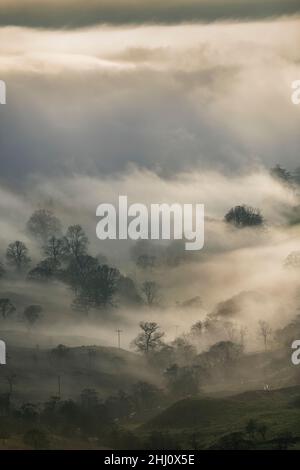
82,418
212,349
283,176
293,260
208,331
66,258
184,369
289,332
291,181
30,315
255,436
244,216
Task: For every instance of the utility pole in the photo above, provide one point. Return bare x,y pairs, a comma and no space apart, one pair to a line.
119,337
58,382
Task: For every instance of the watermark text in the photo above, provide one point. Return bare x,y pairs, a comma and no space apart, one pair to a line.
159,222
2,353
2,92
295,97
296,354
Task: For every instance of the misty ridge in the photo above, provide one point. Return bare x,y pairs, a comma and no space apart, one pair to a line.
126,340
56,275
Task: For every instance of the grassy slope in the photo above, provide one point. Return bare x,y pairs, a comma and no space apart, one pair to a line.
36,372
213,417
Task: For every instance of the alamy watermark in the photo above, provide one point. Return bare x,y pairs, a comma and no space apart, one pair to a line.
2,92
158,222
2,353
296,354
295,97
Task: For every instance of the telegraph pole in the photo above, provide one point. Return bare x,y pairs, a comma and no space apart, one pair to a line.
59,385
119,337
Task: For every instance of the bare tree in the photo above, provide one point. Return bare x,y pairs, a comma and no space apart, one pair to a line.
17,255
145,261
230,330
45,270
197,329
7,308
75,242
43,224
183,349
293,260
151,292
54,249
79,271
97,288
196,332
243,332
150,338
264,331
32,314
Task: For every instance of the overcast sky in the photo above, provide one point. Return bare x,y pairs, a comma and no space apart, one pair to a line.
168,98
71,13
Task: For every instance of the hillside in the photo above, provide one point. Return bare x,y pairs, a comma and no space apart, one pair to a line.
37,371
213,418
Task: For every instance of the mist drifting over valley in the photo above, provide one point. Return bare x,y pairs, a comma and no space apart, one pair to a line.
111,341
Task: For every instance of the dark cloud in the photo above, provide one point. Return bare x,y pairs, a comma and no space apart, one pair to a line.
159,121
74,13
57,126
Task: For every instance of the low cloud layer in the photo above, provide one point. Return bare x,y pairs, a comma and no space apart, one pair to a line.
74,199
165,98
246,263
